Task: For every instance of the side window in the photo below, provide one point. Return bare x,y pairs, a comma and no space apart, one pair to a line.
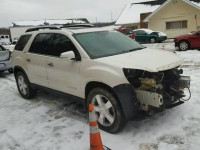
136,32
39,44
22,42
51,44
140,32
60,43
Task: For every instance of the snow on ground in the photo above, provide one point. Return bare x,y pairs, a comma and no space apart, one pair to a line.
50,122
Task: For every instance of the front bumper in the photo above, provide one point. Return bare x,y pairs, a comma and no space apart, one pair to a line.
176,44
150,100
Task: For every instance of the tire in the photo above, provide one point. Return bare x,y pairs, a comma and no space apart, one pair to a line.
24,87
183,45
152,40
10,70
112,119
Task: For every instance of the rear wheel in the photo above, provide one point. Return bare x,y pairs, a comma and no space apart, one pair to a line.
24,87
108,111
183,45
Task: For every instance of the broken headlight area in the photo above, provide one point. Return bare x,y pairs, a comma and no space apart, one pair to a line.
160,89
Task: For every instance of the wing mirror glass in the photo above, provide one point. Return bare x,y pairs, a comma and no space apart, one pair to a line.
68,55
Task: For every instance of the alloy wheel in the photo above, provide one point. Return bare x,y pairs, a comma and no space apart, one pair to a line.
184,46
22,85
104,110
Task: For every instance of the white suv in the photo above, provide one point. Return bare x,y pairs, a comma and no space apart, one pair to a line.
99,66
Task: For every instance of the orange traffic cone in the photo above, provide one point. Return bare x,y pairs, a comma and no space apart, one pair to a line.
95,137
163,47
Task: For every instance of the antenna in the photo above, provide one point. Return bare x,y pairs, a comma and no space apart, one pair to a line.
111,17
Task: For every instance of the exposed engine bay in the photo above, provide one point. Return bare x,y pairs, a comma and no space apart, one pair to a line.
159,90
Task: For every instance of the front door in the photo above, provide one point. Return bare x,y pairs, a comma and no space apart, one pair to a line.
63,75
195,40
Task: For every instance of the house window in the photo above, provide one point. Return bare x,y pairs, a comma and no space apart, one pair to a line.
176,25
134,27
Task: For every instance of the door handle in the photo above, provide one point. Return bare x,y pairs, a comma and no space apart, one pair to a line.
50,64
28,60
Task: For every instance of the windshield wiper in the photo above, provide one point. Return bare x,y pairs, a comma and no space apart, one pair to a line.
136,49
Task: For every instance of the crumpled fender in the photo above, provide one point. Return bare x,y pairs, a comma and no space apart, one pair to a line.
128,100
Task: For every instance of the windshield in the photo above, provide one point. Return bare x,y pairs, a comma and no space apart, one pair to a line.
106,43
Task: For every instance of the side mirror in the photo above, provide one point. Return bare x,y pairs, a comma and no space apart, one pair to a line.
67,55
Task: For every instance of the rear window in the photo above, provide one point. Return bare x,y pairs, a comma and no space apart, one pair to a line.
22,42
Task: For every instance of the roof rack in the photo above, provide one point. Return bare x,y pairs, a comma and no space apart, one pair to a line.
38,28
78,25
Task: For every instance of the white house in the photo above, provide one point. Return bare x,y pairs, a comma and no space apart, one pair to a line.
174,17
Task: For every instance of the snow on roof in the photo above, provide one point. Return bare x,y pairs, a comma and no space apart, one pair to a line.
131,13
47,22
141,1
146,30
195,2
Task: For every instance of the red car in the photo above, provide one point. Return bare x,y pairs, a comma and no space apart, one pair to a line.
127,31
189,41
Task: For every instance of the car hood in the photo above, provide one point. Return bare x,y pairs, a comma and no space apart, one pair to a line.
185,36
161,33
146,59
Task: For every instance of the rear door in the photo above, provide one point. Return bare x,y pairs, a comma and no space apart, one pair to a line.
63,75
141,36
36,60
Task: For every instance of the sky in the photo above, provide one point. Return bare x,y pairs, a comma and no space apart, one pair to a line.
100,10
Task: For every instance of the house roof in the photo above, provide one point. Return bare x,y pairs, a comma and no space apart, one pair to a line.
194,3
131,13
48,22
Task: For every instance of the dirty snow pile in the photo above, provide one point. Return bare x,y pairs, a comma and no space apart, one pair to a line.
51,122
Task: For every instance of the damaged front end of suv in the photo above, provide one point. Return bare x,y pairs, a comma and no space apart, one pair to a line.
159,90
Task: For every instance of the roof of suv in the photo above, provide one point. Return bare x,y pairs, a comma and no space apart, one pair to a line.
84,30
71,30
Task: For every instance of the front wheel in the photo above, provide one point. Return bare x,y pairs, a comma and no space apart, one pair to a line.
152,40
183,45
108,111
10,70
24,87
